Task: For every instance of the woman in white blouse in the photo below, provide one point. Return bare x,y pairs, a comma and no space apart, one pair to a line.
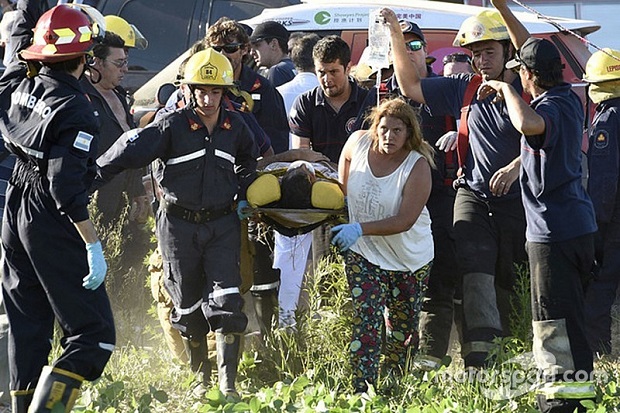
385,173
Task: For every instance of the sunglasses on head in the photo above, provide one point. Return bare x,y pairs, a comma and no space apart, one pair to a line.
228,48
415,45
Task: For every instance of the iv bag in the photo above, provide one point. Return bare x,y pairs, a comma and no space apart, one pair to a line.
378,41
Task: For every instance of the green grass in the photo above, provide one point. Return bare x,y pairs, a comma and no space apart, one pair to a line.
307,370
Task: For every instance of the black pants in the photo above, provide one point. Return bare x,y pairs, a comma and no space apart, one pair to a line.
45,263
489,241
601,292
444,284
559,272
201,270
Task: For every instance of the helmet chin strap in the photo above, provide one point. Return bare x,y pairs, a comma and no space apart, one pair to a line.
192,100
91,69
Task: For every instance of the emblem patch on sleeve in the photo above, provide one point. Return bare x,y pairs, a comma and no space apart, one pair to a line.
82,141
601,139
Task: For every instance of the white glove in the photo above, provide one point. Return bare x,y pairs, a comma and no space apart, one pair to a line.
447,142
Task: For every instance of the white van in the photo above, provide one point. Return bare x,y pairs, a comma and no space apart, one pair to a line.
439,21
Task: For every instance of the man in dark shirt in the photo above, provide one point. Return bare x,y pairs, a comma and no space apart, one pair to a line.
603,74
561,256
489,221
258,94
208,158
323,118
270,50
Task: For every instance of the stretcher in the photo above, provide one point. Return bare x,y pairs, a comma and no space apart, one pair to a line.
264,195
291,222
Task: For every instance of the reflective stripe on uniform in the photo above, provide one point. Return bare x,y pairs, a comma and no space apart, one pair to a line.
477,347
224,291
186,311
427,363
185,158
25,149
225,155
567,390
265,287
107,346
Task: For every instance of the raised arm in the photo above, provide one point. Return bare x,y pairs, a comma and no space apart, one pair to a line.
517,31
404,69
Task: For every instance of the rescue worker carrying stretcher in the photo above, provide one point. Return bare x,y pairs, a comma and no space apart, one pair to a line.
54,267
209,160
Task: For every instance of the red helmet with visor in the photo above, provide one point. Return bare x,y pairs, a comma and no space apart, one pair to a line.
62,33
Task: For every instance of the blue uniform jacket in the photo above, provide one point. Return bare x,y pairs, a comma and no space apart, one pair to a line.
268,107
199,170
604,159
51,126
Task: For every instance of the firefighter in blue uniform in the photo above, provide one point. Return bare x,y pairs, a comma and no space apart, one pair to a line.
54,266
603,76
209,159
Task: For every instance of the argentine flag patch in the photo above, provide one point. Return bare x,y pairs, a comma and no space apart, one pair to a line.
82,141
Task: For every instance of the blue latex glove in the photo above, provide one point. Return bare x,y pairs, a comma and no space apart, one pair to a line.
346,235
97,266
243,210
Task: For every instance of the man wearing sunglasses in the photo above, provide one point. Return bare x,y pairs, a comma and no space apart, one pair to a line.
101,82
489,220
437,310
261,97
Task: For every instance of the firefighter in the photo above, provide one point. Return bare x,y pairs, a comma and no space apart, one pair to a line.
54,266
130,34
560,255
489,220
208,158
603,75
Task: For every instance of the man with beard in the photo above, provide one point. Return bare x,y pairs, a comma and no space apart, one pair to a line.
489,220
322,119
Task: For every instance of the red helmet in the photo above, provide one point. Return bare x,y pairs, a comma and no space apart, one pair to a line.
62,33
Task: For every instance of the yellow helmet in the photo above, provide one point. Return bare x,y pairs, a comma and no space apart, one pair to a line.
208,67
128,32
486,25
602,67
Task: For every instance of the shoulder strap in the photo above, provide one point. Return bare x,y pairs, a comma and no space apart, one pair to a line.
462,141
451,164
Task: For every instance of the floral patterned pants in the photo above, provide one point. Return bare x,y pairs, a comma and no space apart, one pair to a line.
382,296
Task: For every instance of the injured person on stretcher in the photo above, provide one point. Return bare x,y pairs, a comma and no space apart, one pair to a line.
297,191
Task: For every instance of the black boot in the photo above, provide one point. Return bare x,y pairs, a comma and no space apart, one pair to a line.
20,400
56,388
198,355
228,349
265,305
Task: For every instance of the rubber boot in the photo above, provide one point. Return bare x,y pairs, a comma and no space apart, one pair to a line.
57,389
20,400
228,349
198,355
265,303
